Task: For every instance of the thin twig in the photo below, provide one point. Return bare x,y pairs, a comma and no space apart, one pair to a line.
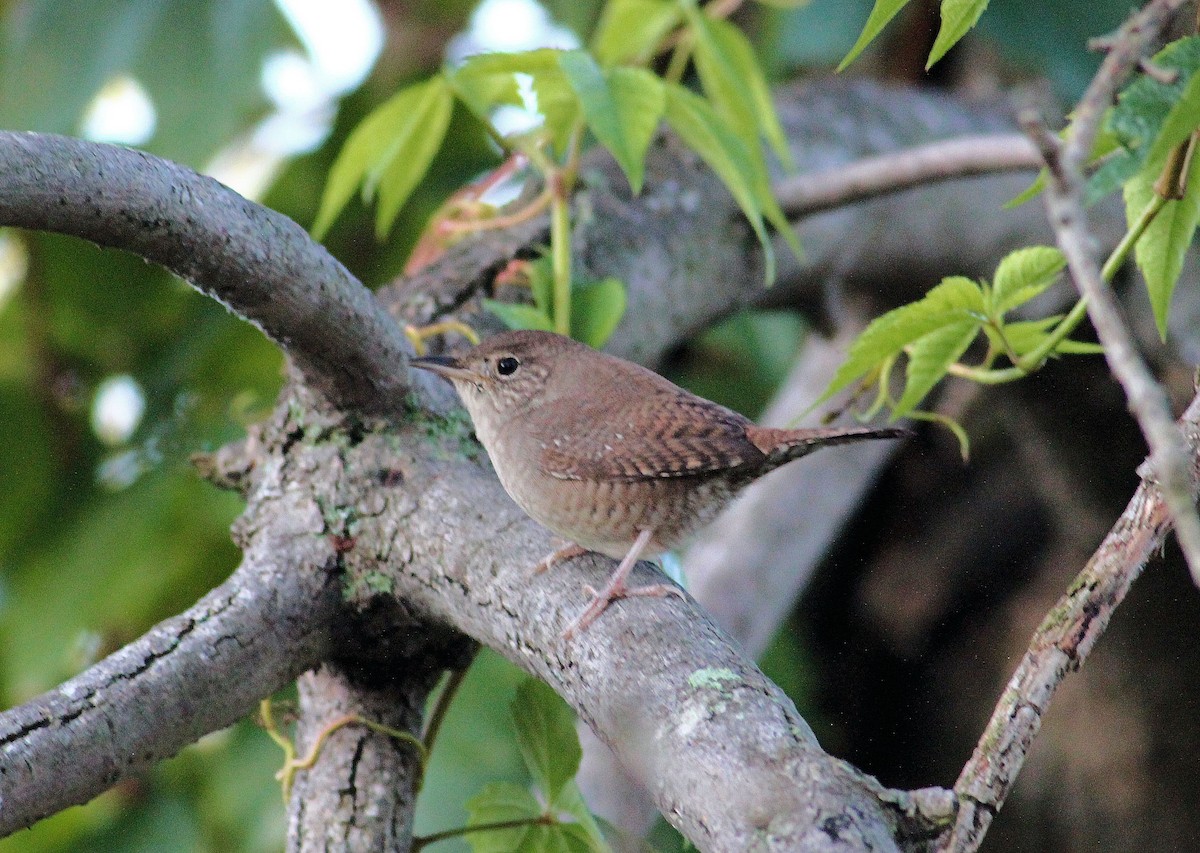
441,706
1065,162
1059,647
944,160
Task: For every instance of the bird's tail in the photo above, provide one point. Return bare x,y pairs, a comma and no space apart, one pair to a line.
784,445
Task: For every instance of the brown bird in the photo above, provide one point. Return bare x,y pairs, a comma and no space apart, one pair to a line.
609,455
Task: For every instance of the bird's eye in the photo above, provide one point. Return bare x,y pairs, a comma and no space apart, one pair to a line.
507,366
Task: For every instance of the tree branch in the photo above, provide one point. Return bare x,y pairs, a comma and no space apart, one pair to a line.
943,160
190,675
1059,647
1064,202
256,262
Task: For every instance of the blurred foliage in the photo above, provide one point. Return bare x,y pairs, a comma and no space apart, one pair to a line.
57,54
89,562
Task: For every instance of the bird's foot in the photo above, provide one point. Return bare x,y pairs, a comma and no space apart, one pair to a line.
567,552
614,590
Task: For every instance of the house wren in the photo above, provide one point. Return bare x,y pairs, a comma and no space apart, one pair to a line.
609,455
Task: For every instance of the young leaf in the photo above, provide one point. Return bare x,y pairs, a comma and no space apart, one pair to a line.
1161,249
545,729
640,99
623,110
956,300
958,16
570,800
1022,275
930,357
487,80
499,802
418,141
391,131
733,80
702,130
630,30
596,309
518,316
883,11
1029,193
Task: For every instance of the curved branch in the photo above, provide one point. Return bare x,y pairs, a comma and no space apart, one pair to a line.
256,262
190,675
943,160
1059,647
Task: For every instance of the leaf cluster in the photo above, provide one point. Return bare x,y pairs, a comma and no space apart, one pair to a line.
605,91
957,18
506,816
933,333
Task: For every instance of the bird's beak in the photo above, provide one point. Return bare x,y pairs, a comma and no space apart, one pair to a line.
446,366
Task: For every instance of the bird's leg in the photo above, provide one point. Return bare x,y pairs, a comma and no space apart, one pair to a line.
567,552
616,588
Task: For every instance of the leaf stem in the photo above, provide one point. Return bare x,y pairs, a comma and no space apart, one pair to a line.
438,715
1035,358
1121,253
420,842
560,255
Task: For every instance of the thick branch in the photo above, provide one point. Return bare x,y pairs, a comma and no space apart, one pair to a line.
1058,648
660,684
360,794
256,262
191,675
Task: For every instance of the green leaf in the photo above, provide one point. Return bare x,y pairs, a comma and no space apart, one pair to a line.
881,14
704,132
391,131
596,309
411,154
518,316
1180,122
540,273
623,110
1143,108
570,800
487,80
1079,348
631,30
640,100
1022,275
958,16
1029,193
545,729
498,802
1161,249
928,359
956,300
734,81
